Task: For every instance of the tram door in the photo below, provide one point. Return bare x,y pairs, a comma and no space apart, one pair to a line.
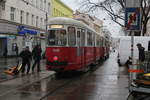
79,47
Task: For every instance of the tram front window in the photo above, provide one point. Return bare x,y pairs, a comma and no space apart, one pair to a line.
57,37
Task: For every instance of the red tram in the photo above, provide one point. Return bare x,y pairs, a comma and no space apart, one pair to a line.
72,45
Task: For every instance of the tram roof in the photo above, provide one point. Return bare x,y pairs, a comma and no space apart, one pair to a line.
65,21
69,21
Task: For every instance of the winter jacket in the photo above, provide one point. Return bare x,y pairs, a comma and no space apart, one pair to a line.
36,53
141,54
26,56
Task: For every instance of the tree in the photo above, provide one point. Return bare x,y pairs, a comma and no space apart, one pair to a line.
116,9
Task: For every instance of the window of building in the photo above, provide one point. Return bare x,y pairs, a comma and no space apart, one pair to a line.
36,3
41,4
32,20
57,13
44,5
54,12
49,7
41,22
32,1
45,23
27,18
37,18
12,14
71,36
21,17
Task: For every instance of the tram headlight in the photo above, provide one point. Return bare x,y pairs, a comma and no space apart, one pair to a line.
55,58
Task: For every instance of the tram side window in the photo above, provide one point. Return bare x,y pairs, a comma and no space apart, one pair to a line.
97,41
100,42
82,37
89,38
103,42
57,37
71,36
93,38
63,37
78,38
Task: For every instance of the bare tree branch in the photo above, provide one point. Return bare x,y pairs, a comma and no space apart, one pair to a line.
118,14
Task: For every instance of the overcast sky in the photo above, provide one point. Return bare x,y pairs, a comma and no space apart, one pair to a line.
113,28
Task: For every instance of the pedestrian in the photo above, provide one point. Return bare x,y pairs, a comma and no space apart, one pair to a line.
16,50
36,53
26,56
128,62
141,52
5,52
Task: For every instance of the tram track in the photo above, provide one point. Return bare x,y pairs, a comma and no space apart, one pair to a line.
67,82
57,89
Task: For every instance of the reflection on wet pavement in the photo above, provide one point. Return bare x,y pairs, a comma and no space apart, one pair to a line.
19,88
103,84
108,82
8,63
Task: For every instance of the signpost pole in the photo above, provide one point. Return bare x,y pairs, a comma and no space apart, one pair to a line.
132,23
132,46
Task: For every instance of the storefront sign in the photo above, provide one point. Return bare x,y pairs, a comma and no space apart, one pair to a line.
22,30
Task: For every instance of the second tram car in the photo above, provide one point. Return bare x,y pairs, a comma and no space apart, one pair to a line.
72,45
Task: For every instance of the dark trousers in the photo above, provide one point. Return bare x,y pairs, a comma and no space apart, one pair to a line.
36,62
24,65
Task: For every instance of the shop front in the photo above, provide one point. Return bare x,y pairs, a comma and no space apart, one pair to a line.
14,35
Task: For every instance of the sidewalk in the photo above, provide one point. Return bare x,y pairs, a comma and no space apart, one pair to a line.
15,89
10,62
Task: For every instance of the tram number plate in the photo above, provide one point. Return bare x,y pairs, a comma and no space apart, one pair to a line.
56,50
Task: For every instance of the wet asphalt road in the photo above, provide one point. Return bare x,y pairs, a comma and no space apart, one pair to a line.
107,82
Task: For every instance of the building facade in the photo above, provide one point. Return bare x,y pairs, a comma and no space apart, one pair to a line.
59,9
92,22
21,23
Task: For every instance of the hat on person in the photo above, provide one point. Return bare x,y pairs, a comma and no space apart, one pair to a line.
27,47
139,44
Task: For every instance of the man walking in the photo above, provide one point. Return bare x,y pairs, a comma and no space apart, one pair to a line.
26,56
36,53
141,52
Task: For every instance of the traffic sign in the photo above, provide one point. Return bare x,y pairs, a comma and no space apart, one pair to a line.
132,19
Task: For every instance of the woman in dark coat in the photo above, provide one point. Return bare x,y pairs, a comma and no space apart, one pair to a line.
36,53
26,56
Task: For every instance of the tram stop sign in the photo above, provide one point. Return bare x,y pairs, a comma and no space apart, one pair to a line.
132,19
